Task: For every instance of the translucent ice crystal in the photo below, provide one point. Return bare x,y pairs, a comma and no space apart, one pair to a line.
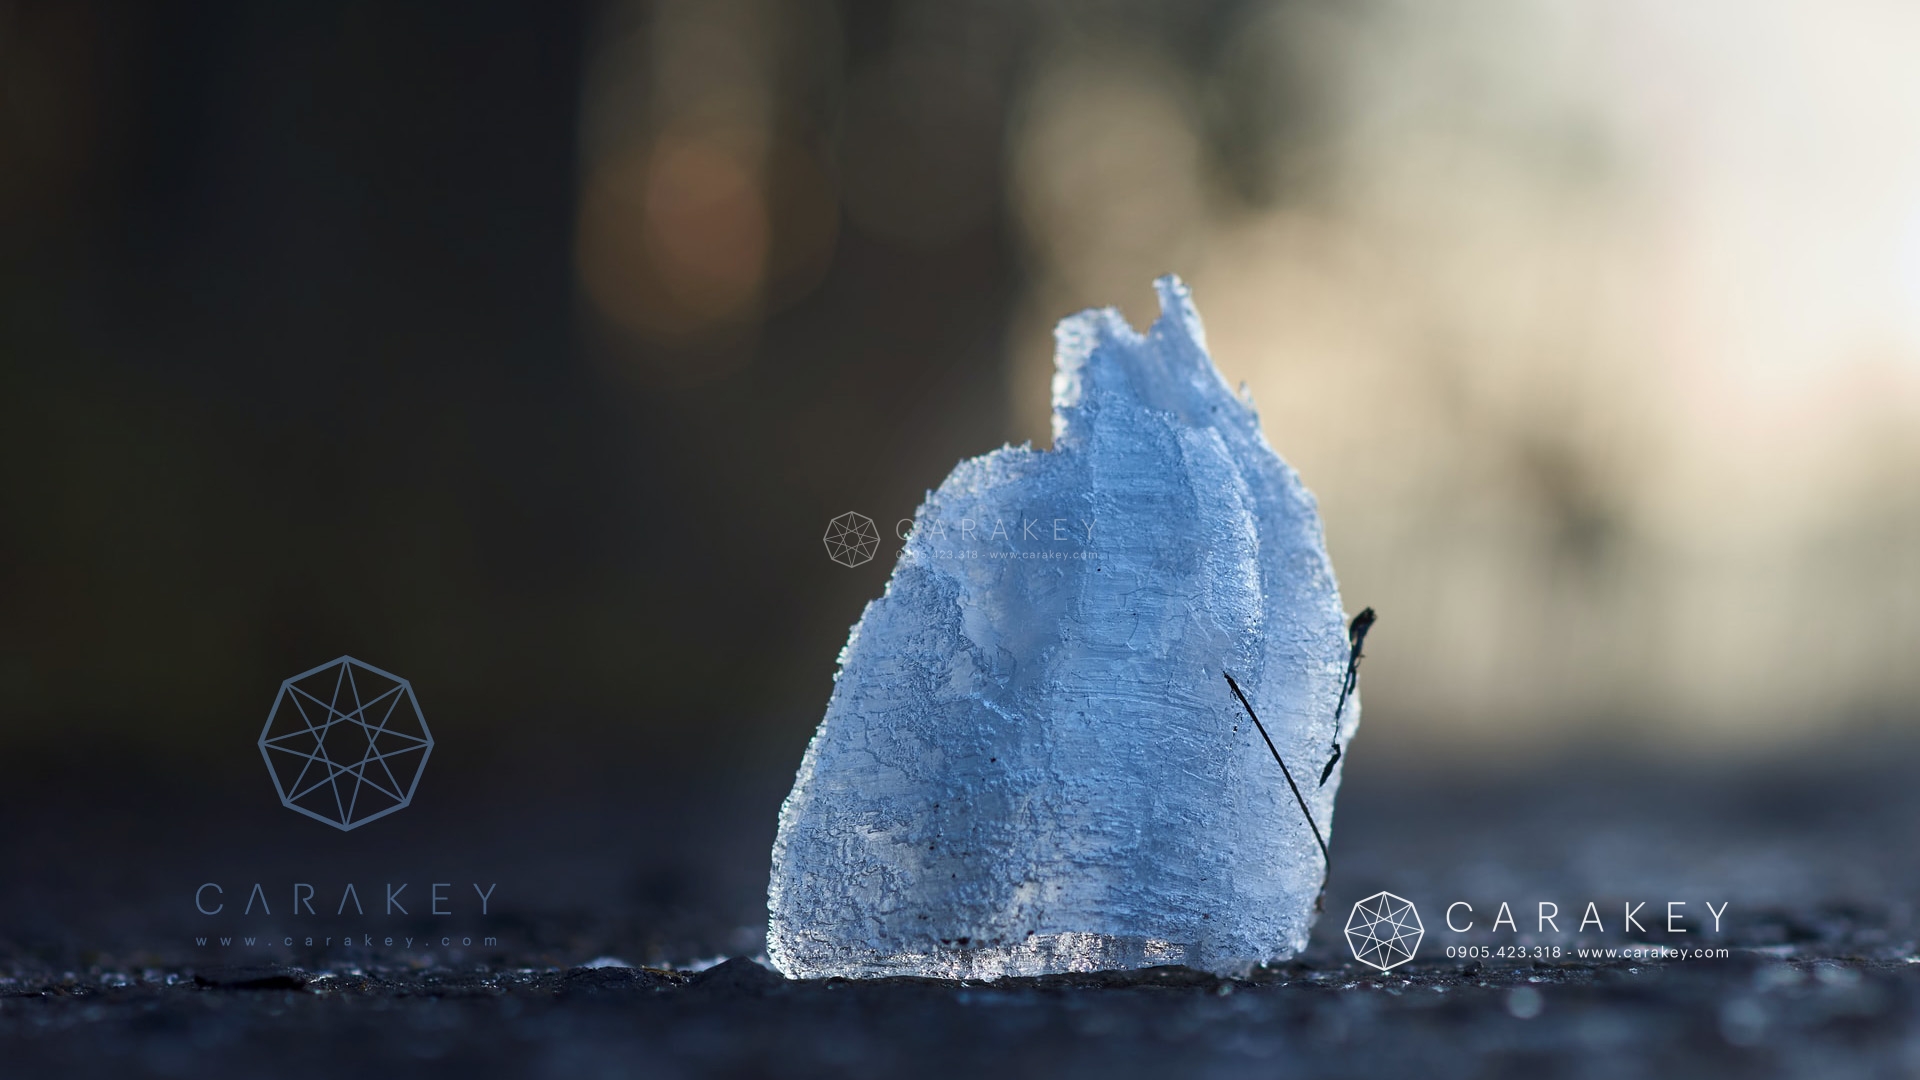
1031,762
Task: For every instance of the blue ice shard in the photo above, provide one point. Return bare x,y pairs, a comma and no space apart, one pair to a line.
1031,762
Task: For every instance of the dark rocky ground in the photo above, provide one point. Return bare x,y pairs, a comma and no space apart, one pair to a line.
1750,1016
1815,860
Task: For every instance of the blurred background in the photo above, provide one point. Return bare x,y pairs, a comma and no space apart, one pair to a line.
526,351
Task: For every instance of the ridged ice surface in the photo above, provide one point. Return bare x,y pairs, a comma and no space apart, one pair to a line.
1031,762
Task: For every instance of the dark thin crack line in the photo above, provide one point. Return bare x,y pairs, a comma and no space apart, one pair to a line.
1325,859
1356,637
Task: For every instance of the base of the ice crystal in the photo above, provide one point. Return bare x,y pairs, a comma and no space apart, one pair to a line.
1031,762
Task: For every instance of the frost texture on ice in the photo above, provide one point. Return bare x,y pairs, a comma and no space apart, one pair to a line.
1031,763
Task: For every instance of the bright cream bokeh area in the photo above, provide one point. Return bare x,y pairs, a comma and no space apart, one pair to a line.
1595,327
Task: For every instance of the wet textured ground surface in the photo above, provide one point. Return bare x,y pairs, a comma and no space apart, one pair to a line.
1814,862
1754,1016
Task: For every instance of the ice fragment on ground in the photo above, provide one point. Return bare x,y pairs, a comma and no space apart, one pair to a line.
1031,762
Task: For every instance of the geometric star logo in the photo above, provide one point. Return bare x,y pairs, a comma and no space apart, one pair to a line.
852,539
1384,930
345,743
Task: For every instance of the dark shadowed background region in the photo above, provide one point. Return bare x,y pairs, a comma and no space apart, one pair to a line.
526,351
